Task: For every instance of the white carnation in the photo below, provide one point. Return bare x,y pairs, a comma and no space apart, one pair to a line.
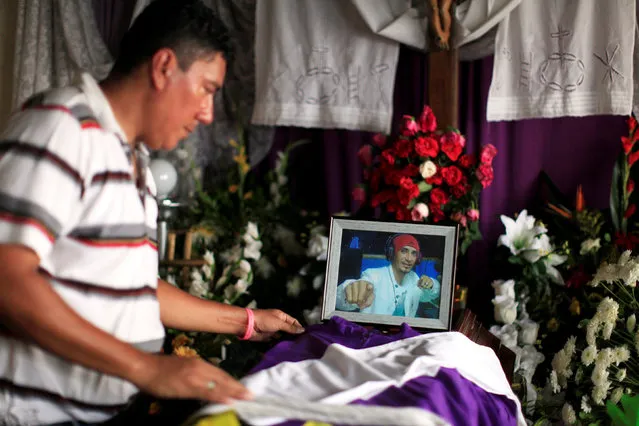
621,374
568,414
631,322
589,355
616,395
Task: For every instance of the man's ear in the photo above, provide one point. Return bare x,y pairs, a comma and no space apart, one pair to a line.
163,66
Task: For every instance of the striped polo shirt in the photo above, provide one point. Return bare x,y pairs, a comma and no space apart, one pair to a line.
68,192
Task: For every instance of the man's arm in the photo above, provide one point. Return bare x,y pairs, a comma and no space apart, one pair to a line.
31,309
180,310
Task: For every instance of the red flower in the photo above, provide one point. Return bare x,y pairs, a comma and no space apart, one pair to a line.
409,126
627,144
436,212
427,120
630,186
452,175
407,191
392,176
388,158
487,154
426,147
403,148
375,178
382,197
473,215
633,157
632,124
461,189
379,140
435,179
632,208
578,278
485,175
403,214
359,194
452,144
625,241
411,170
466,161
365,155
459,218
438,197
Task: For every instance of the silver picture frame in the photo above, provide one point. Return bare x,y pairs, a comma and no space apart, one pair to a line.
356,247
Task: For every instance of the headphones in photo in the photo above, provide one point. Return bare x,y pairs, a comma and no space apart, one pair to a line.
389,249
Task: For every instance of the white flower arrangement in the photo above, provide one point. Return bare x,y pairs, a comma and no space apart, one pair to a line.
595,369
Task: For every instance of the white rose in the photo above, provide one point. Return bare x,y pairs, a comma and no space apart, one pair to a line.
317,247
505,309
504,288
420,212
528,333
427,169
590,245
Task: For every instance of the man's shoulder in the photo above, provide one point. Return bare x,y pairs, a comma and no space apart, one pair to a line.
57,114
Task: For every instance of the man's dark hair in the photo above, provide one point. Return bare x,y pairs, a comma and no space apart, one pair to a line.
187,27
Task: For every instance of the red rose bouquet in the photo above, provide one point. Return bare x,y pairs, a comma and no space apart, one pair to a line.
424,175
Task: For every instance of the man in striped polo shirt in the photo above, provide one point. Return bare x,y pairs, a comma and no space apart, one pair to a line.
82,313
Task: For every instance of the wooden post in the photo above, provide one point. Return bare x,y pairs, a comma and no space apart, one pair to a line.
443,82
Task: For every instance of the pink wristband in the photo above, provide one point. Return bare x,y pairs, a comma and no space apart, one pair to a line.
249,326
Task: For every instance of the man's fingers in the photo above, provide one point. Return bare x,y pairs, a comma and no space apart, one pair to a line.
291,325
224,388
370,296
349,293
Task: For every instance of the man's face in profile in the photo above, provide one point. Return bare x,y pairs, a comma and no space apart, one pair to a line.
405,259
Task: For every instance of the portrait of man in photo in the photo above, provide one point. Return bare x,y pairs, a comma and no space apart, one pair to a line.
395,287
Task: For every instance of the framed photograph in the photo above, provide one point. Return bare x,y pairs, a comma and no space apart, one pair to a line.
388,273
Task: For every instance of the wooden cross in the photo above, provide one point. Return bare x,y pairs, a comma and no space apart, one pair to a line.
443,67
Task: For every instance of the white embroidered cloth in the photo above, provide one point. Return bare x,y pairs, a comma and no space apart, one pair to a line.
564,58
318,64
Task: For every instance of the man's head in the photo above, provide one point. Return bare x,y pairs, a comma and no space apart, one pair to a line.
403,252
179,50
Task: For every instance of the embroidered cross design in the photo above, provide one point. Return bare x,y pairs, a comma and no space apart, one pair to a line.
611,71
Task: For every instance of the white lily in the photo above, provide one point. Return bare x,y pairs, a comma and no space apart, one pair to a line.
544,250
520,233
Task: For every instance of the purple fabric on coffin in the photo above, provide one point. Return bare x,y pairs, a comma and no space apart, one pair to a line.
313,343
448,394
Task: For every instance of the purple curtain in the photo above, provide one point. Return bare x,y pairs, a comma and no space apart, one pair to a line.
113,17
571,150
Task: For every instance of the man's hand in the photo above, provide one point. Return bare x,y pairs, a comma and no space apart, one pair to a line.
361,293
425,282
187,378
270,321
